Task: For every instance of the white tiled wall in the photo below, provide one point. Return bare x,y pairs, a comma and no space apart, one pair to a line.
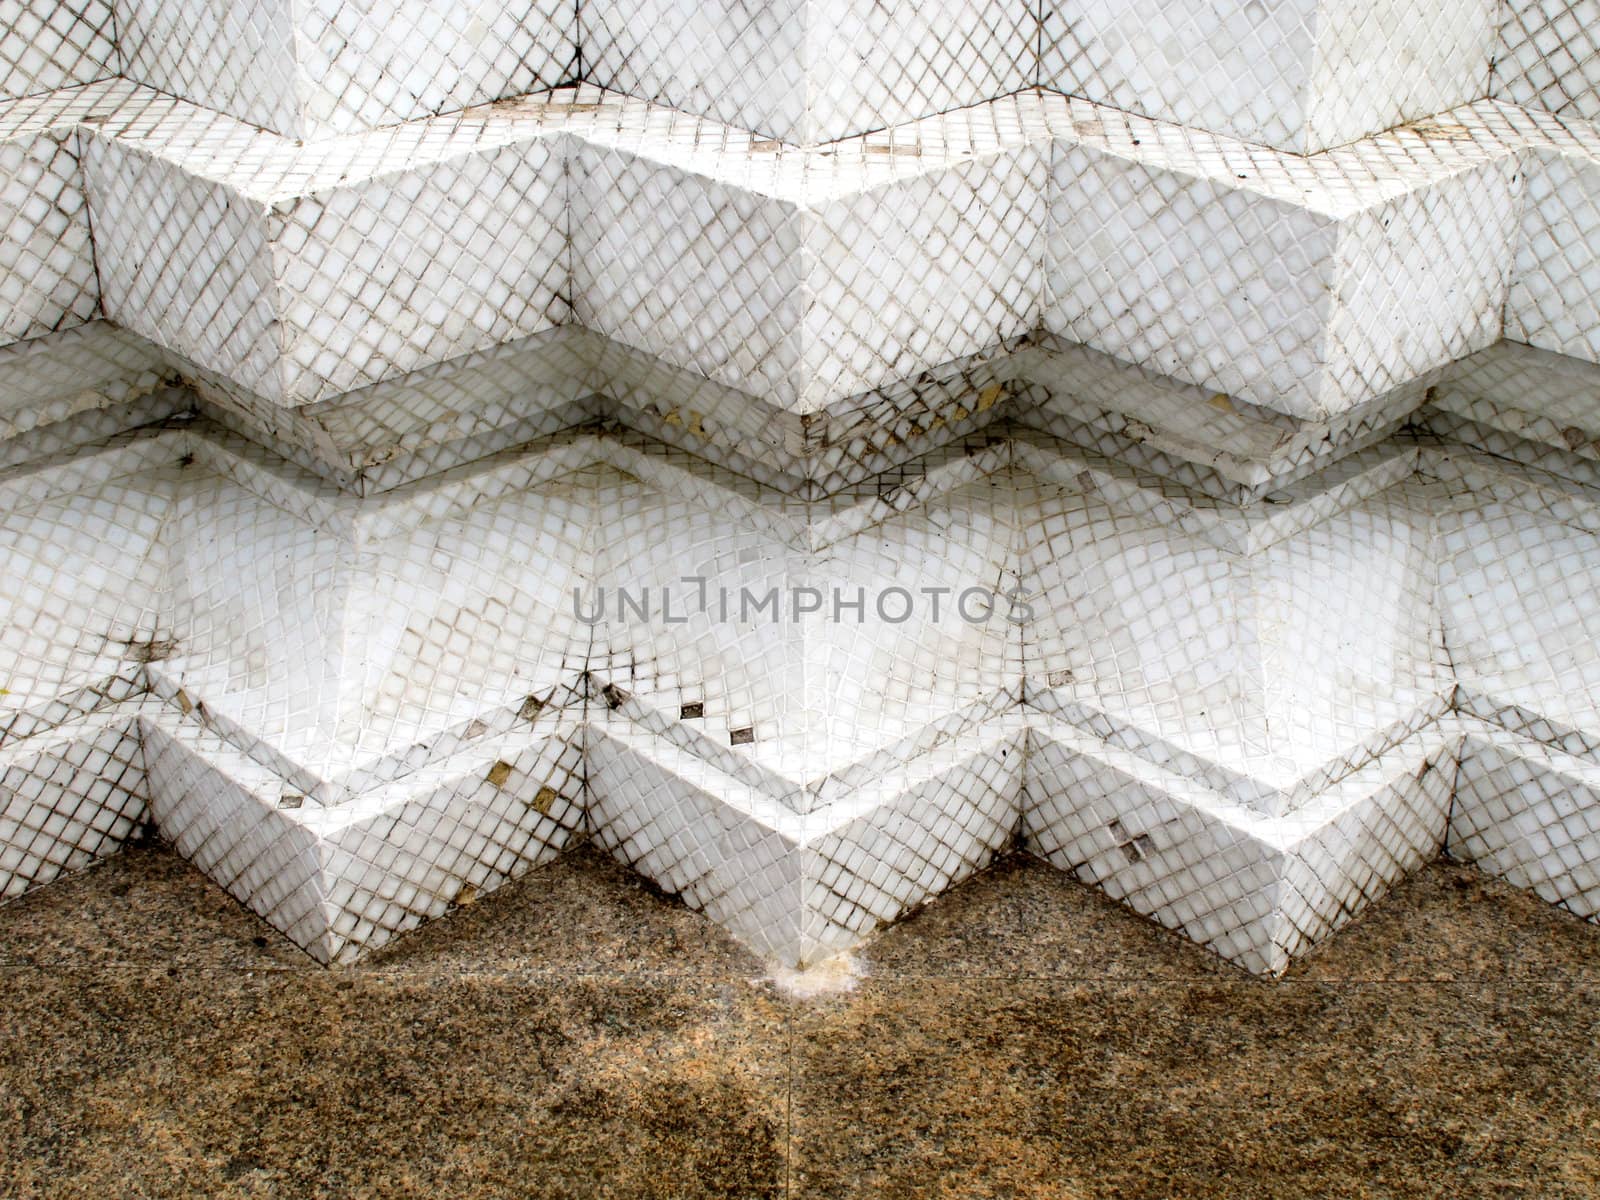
808,71
307,70
49,44
842,301
1296,75
1548,56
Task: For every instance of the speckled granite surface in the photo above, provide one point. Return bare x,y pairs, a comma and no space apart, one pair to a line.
577,1035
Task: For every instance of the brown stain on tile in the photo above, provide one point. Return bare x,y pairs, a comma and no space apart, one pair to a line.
1440,131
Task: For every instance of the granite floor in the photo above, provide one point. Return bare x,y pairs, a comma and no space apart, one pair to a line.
578,1035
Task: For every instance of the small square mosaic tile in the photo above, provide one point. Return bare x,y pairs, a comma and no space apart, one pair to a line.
805,450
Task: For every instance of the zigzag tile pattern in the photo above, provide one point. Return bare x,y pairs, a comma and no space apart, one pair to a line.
440,659
803,451
1307,285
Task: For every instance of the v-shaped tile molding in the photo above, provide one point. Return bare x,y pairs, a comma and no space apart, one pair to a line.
1245,722
1306,285
801,448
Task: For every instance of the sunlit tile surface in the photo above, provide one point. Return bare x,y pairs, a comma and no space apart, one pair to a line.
804,452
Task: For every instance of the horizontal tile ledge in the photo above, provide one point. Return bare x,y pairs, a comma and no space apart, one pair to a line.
1035,393
364,525
341,882
816,280
269,169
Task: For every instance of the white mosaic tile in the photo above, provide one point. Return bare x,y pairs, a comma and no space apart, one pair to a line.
235,58
1270,301
83,598
1301,76
393,433
1257,891
68,798
1528,813
806,304
798,889
387,277
91,367
341,881
913,274
50,44
1205,441
1252,663
297,303
1519,605
1513,401
1555,293
220,810
806,783
47,274
389,434
810,71
313,70
953,816
721,847
190,268
807,277
92,428
408,854
901,333
338,653
819,453
698,271
1548,56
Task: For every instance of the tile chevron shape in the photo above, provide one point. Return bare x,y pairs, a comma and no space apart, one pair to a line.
253,256
317,656
804,449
